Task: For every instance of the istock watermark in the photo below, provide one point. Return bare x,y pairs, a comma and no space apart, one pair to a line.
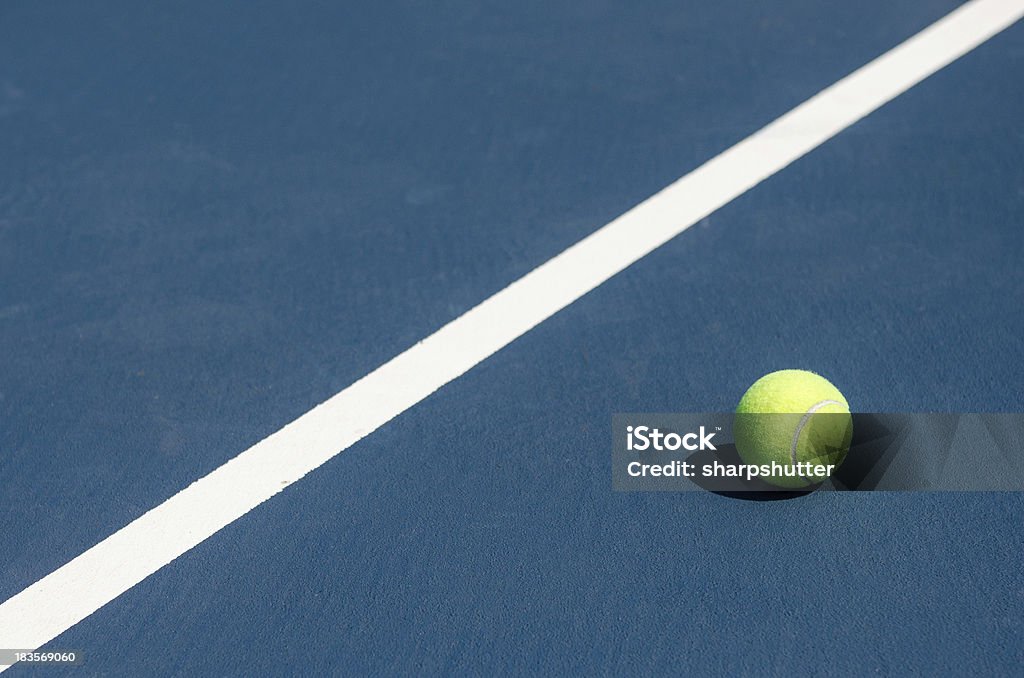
760,453
642,438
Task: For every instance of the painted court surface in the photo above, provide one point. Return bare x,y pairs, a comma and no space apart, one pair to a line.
216,216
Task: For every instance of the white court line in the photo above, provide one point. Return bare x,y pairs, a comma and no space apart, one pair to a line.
61,599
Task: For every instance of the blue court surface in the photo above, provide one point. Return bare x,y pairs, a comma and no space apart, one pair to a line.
216,215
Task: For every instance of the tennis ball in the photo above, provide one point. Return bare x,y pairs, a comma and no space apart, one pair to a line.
791,417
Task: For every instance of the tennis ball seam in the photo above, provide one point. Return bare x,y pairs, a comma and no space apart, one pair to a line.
803,422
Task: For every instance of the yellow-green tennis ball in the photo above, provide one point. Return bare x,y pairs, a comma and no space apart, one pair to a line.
790,417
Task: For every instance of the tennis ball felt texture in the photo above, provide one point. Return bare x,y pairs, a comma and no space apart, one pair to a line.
793,416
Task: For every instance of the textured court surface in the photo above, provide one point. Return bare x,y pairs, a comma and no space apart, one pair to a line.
214,216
